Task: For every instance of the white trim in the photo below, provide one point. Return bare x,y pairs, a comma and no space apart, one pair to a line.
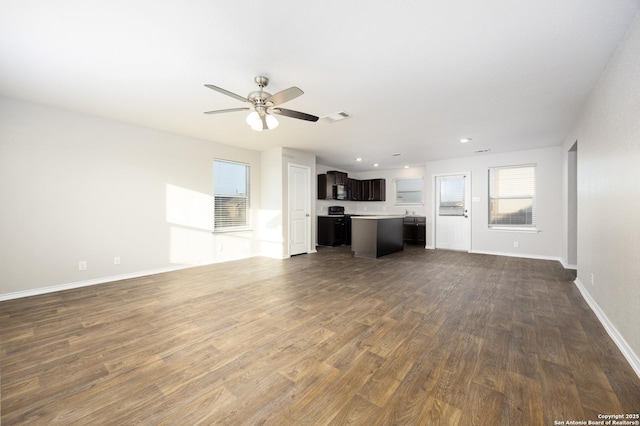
527,256
494,228
523,255
615,335
103,280
308,205
568,266
87,283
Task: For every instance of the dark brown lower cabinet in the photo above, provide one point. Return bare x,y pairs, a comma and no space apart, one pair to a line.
331,230
414,230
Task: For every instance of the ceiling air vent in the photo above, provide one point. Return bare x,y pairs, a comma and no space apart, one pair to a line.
481,151
336,116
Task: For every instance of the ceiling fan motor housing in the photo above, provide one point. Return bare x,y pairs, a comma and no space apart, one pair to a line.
258,97
261,81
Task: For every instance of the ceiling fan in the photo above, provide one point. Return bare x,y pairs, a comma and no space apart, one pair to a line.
264,104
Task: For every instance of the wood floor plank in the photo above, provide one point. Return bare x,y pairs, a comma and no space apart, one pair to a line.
483,406
524,401
436,412
326,405
561,393
416,337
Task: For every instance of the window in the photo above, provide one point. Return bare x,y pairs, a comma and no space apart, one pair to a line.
232,196
409,191
451,196
512,196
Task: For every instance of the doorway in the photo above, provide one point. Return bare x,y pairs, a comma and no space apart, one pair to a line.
452,212
299,210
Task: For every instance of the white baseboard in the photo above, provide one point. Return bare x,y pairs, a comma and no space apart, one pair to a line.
523,255
568,265
109,279
86,283
617,338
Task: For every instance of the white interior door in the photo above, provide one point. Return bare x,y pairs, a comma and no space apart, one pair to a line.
452,212
299,210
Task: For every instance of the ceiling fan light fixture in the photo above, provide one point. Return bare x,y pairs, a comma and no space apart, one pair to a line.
255,121
272,122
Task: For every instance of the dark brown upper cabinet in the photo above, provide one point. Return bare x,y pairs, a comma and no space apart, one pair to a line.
356,190
374,190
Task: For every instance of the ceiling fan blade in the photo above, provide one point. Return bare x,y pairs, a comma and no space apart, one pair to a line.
226,92
294,114
218,111
284,95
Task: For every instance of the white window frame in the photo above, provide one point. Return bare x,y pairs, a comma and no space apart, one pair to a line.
218,194
532,227
399,203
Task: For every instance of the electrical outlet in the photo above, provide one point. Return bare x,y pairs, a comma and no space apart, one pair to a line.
116,260
516,244
82,265
593,280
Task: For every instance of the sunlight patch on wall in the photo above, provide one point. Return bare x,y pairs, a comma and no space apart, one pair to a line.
271,235
191,246
189,208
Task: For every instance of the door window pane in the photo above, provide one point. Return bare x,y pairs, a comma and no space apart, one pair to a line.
451,196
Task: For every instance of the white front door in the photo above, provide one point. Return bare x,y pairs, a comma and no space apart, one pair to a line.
299,210
452,212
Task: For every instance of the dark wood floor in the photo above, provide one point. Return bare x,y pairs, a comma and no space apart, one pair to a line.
414,338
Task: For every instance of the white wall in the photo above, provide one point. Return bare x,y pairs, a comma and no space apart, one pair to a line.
608,135
75,187
548,242
271,213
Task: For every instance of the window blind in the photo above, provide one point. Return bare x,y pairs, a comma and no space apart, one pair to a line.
232,196
409,191
451,196
512,196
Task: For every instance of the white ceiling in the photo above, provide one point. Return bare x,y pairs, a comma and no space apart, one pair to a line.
416,76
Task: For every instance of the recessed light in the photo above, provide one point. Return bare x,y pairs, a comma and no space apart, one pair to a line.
376,165
406,167
358,159
465,140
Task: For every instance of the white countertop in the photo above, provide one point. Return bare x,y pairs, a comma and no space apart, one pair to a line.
378,217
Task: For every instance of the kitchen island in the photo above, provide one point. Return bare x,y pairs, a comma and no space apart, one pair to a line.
375,236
